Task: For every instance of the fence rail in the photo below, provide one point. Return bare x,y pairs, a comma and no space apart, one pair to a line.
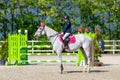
110,46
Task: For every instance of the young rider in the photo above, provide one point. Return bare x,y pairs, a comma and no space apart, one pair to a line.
66,30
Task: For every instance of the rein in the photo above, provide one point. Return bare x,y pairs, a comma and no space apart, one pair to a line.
54,36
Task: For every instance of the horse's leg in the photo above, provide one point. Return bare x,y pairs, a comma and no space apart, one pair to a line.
87,62
61,67
84,54
59,53
88,65
90,56
87,57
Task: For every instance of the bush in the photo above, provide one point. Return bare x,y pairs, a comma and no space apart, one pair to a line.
4,51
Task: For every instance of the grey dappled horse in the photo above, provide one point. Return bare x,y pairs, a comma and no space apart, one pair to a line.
83,42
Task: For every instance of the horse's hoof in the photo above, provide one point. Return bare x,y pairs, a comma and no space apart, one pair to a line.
61,71
88,70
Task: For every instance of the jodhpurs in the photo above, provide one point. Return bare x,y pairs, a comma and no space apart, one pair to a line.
66,35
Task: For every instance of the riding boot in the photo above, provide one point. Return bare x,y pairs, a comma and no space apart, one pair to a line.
66,44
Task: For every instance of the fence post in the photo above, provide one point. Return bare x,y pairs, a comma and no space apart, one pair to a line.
113,46
32,47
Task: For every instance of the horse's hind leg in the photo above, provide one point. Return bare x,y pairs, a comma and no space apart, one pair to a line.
88,63
84,54
87,58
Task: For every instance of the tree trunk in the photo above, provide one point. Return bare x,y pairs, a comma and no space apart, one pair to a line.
4,30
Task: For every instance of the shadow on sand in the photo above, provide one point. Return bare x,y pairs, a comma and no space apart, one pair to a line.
92,71
109,64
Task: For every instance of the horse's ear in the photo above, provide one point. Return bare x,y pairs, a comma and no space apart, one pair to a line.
42,25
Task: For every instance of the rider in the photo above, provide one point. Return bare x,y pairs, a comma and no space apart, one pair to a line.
66,30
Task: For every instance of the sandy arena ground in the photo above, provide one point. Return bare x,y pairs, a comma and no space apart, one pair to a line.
49,71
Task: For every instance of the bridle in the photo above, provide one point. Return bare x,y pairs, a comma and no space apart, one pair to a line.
41,29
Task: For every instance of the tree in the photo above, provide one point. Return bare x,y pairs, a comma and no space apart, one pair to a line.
3,14
27,14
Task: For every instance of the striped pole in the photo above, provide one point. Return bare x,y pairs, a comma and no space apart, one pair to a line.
49,61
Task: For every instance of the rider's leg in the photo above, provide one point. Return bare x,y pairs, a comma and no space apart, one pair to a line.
65,37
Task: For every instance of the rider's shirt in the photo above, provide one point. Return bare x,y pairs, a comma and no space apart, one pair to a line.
67,27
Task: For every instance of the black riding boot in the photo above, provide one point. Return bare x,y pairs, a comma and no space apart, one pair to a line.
66,44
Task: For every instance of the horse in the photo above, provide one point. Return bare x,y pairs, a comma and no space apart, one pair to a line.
83,42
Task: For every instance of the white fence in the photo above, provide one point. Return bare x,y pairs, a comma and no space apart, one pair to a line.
110,46
37,49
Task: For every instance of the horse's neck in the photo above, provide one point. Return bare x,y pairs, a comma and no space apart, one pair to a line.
50,32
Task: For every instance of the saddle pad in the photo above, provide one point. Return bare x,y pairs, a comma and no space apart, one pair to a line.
71,39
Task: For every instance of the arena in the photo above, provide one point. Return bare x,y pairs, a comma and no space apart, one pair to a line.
50,71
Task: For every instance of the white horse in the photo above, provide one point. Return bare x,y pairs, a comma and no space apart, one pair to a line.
83,42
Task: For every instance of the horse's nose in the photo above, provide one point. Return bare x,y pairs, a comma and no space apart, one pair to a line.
34,35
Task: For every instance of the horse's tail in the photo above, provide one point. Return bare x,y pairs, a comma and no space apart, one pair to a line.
92,53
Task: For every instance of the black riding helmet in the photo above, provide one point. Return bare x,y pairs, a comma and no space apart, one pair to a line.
66,17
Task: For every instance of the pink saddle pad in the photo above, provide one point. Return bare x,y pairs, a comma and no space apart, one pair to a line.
72,39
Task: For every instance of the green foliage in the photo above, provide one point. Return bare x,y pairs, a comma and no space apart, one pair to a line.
27,14
96,45
4,51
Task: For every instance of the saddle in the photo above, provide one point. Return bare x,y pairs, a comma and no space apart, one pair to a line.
71,39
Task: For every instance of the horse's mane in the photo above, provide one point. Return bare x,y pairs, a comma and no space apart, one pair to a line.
50,30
